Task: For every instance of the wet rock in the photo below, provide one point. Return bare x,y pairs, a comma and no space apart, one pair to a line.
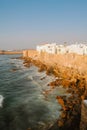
83,123
43,78
14,69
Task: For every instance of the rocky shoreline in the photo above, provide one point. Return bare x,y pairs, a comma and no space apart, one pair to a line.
75,82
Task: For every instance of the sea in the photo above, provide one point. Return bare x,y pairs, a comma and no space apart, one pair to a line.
23,102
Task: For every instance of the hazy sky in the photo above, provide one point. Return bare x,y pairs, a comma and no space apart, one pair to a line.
25,23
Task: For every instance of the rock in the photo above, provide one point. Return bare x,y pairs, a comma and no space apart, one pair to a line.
14,69
60,123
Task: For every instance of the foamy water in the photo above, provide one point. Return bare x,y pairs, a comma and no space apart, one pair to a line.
23,103
1,100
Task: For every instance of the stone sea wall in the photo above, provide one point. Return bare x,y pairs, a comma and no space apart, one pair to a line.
75,61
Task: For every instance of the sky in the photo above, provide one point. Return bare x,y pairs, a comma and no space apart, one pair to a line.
26,23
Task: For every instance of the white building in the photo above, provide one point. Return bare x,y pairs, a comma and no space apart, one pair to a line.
50,48
77,48
63,49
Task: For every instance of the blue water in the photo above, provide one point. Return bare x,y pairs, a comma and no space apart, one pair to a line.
23,104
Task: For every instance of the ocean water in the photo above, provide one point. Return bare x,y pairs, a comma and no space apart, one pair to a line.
23,104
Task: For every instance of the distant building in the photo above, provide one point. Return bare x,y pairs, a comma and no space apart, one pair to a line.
78,48
63,49
50,48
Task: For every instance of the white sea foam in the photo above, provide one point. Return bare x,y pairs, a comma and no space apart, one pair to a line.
1,100
30,77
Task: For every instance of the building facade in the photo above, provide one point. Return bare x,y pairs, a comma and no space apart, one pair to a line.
54,48
49,48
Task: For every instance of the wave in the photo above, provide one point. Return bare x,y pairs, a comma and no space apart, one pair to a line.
1,100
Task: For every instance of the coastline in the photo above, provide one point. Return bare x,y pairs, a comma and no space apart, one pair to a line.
69,77
23,92
10,52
